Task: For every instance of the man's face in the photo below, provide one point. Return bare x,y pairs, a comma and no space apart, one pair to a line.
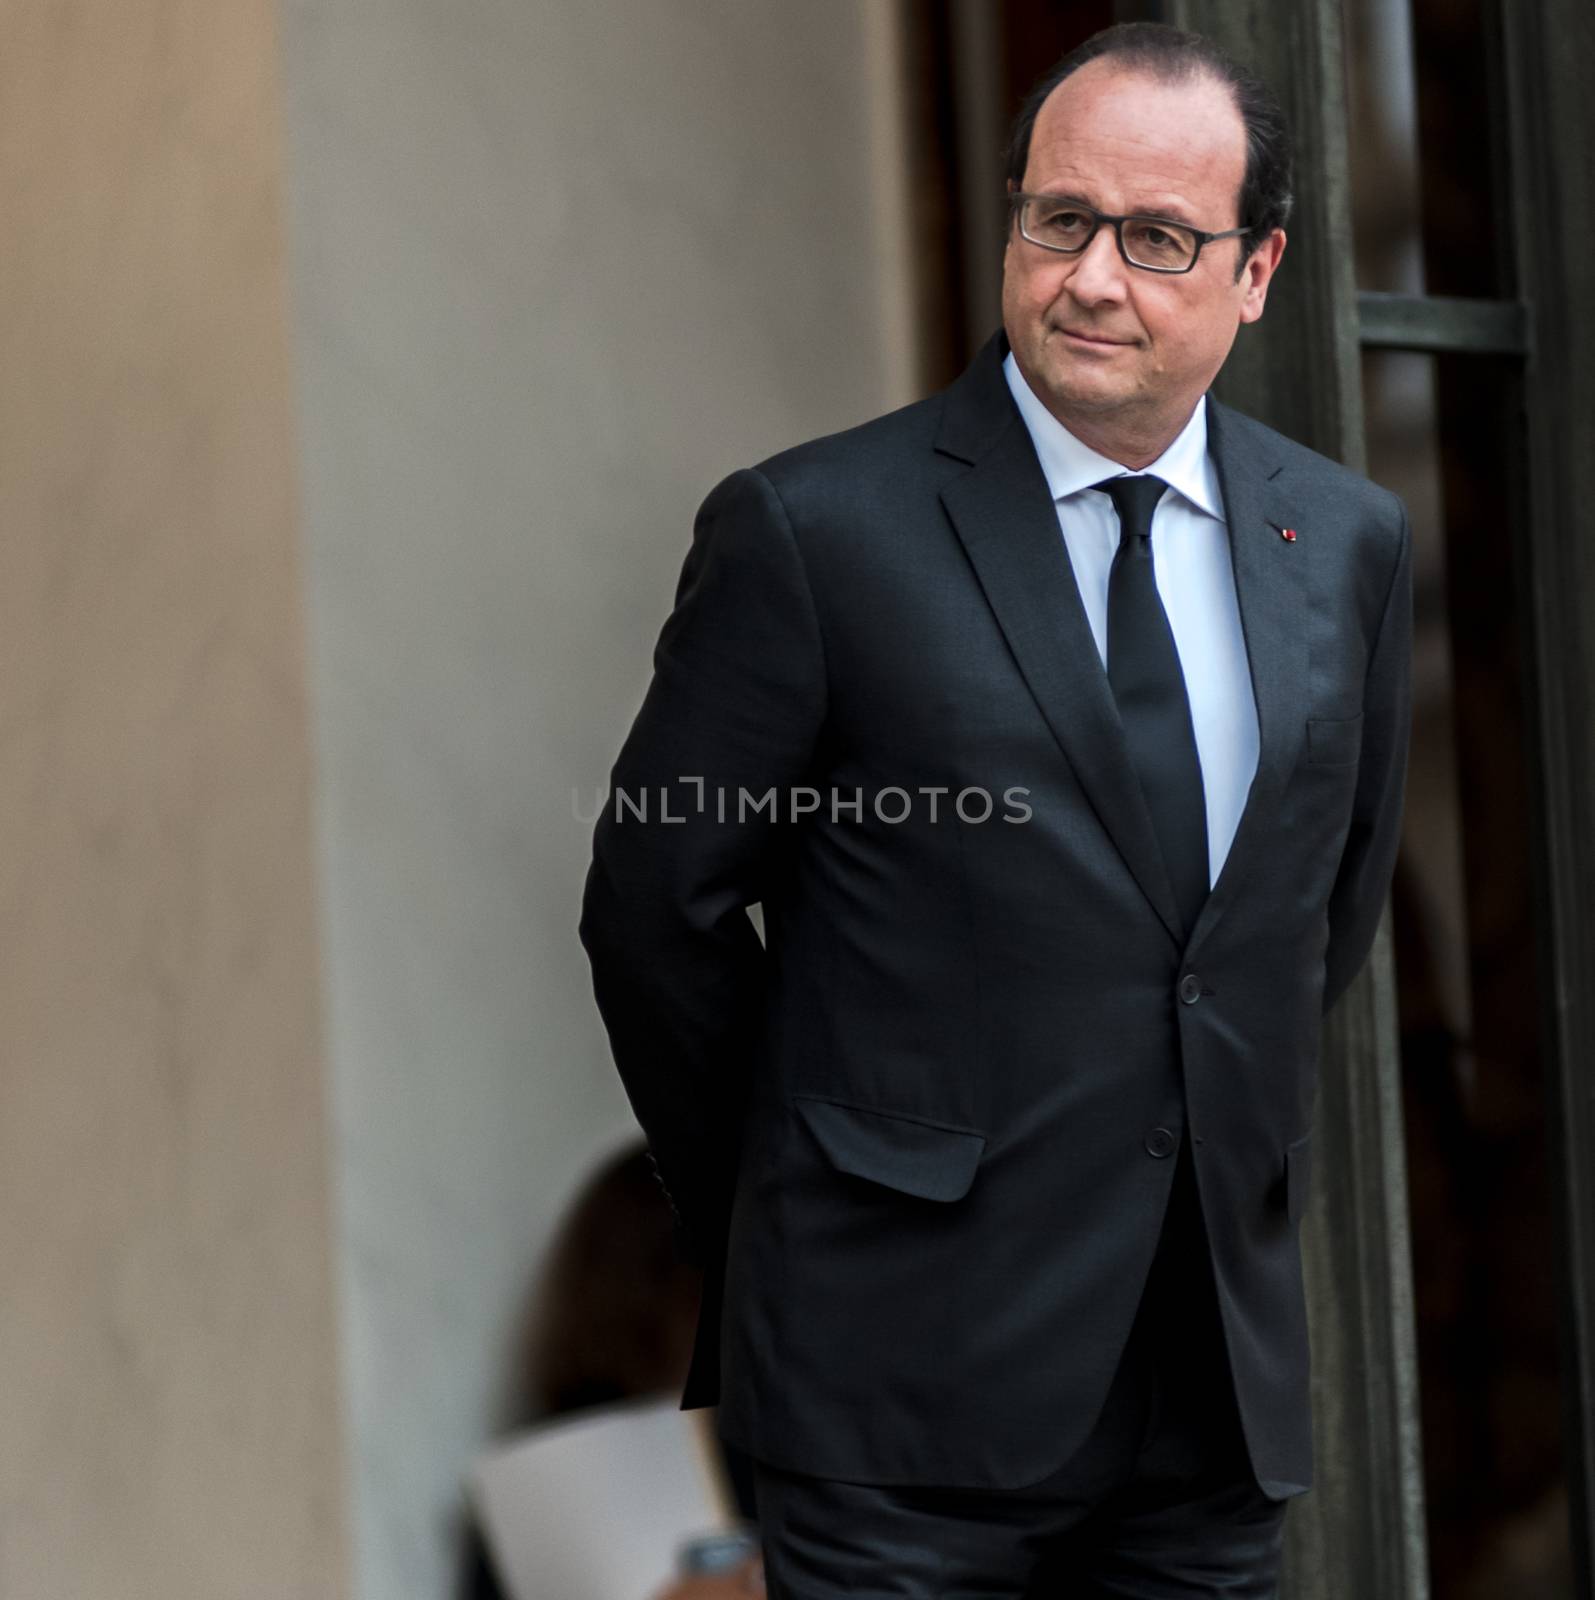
1110,349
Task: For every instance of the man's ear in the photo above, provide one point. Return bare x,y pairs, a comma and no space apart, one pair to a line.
1258,270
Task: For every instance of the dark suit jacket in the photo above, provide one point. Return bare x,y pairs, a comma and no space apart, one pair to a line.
921,1138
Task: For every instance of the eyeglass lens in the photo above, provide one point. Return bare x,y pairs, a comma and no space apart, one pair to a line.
1147,242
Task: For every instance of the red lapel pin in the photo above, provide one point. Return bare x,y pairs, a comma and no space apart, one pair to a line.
1288,534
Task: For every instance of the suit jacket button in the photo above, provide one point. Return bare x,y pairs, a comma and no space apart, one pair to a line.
1160,1142
1190,988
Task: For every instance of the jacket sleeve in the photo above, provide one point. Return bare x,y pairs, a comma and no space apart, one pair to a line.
680,850
1369,857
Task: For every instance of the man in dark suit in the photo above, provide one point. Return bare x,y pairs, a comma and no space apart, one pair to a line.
1059,725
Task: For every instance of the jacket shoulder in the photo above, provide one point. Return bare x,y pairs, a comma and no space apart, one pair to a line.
1258,441
855,457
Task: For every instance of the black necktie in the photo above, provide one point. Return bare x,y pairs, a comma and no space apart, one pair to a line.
1144,672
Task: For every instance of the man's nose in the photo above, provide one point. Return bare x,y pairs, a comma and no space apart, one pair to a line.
1099,270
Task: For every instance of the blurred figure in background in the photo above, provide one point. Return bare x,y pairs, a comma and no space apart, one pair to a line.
612,1320
615,1306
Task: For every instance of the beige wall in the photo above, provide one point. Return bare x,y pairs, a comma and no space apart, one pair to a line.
501,422
167,1365
510,410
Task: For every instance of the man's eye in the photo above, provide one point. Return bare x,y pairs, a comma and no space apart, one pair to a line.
1153,239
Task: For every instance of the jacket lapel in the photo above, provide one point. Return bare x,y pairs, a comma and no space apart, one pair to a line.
1271,587
1003,513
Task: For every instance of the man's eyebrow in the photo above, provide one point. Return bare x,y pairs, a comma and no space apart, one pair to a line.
1069,195
1173,211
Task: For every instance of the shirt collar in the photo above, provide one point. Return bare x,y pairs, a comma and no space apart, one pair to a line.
1071,465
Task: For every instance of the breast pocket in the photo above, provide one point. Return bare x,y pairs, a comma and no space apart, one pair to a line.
1334,741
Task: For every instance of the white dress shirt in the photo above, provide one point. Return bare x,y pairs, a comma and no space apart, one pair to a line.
1195,580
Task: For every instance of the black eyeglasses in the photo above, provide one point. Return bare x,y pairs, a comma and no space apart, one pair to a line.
1154,244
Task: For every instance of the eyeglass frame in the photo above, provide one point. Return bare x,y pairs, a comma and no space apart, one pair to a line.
1016,203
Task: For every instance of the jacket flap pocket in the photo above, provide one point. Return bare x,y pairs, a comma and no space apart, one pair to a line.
1334,741
1298,1176
925,1159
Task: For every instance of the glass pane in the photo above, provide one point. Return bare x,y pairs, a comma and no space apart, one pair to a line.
1382,111
1442,432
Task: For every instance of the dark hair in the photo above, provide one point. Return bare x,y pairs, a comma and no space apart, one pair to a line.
1171,55
616,1305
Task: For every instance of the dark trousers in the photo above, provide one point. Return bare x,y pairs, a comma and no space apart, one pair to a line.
1158,1503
